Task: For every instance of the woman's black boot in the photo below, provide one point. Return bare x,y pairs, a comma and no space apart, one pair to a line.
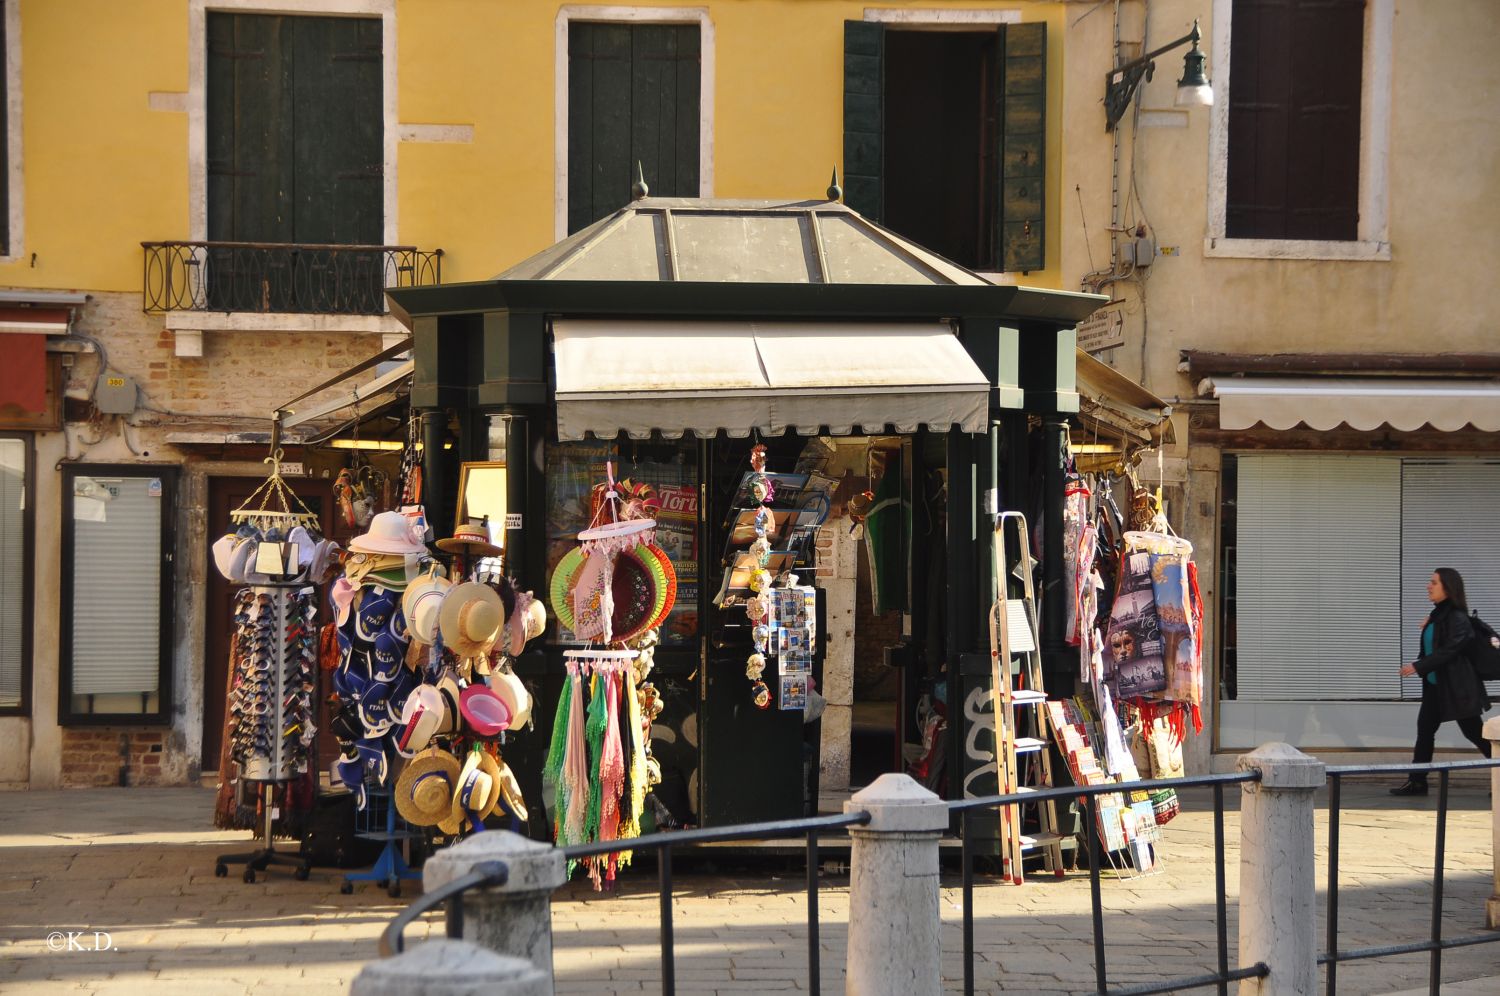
1410,787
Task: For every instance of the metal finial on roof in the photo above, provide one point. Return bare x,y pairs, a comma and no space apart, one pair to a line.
638,189
834,190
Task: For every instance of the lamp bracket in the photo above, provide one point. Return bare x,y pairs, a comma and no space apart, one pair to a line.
1121,82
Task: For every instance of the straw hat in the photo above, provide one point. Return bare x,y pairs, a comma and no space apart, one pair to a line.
447,687
421,717
389,532
526,623
513,693
422,603
424,792
470,619
510,792
485,712
471,539
476,792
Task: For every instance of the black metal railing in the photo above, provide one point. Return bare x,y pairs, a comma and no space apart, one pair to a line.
281,277
1435,944
494,873
1221,978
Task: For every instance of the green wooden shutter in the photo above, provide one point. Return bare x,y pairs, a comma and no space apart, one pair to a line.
864,113
1022,100
633,96
339,156
250,137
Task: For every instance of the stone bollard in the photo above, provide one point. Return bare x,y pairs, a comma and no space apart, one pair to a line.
1492,907
1278,893
450,968
514,919
893,890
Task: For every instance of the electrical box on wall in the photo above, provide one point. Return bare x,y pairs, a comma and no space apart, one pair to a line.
1139,252
115,394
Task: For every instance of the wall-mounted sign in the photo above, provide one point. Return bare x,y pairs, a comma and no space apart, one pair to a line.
1104,329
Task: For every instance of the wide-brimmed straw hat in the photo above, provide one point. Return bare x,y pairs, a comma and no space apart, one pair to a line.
471,539
476,792
421,604
421,717
512,691
471,619
424,792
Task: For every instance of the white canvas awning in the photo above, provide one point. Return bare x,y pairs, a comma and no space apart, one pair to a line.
703,377
1359,402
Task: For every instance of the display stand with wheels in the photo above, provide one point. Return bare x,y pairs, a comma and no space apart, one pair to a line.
271,768
380,821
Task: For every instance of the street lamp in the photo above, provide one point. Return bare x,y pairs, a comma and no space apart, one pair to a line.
1193,90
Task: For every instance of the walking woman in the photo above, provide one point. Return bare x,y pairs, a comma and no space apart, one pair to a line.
1450,687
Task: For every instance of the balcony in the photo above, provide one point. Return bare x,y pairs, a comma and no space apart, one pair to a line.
280,278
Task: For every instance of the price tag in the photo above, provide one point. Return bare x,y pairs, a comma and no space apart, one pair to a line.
293,468
513,520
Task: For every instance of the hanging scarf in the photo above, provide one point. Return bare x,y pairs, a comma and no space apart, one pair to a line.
611,769
594,733
575,771
553,769
630,822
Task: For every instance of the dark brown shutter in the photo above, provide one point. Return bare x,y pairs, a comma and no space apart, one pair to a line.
864,118
1022,100
1295,68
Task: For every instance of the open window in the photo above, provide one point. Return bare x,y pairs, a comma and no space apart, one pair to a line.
945,138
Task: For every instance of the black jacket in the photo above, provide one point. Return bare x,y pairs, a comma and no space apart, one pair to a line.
1459,689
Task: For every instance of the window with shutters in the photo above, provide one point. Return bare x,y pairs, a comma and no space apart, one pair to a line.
115,640
945,138
1300,132
634,93
17,537
295,146
11,203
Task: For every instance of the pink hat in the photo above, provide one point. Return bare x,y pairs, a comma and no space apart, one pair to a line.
486,713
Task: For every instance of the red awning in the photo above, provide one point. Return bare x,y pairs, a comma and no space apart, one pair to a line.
23,372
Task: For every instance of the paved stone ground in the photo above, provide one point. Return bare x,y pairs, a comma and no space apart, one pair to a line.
138,863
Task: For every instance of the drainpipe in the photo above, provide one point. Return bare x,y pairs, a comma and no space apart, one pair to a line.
124,760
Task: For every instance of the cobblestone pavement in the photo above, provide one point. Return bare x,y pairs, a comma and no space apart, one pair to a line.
138,864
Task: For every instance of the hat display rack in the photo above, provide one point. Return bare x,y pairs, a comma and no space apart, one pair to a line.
274,658
612,591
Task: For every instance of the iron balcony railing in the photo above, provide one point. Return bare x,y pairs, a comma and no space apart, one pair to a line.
281,277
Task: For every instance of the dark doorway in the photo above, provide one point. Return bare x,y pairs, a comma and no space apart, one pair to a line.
939,137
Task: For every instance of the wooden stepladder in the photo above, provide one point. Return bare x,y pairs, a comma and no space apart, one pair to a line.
1021,745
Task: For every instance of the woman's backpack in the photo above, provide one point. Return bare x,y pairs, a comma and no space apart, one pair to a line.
1484,649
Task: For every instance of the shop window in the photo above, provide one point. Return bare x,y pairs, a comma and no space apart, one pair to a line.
117,591
671,469
633,97
16,539
1294,119
295,132
945,138
1326,560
